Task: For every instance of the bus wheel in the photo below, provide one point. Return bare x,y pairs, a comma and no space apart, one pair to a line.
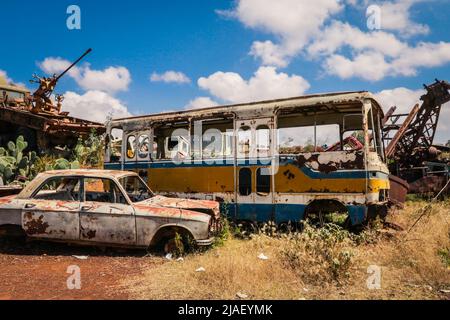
320,212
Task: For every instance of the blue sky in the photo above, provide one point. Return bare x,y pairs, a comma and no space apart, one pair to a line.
203,37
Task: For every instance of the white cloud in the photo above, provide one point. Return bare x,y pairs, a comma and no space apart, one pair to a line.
339,34
302,28
170,76
201,102
405,99
266,83
395,16
4,76
57,65
425,54
293,22
374,55
369,66
94,106
271,54
111,79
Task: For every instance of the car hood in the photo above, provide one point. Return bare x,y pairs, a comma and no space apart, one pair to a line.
7,199
203,206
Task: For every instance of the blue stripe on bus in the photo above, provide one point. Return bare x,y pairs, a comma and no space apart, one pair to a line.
283,212
313,174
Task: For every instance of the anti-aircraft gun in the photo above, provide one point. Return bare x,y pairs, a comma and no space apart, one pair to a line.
38,117
42,102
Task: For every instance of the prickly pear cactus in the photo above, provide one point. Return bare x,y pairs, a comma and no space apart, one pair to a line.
63,164
14,164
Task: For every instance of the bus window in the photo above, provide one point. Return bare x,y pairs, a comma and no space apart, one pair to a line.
115,144
131,147
245,182
143,146
212,144
177,146
263,141
244,140
227,143
353,140
262,182
308,139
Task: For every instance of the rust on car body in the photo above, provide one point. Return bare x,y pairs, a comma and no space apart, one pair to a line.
121,217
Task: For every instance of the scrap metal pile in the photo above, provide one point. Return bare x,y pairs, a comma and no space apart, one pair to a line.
411,152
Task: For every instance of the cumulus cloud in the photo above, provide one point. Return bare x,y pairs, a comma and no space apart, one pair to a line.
395,16
293,22
4,76
375,55
266,83
170,77
201,102
404,99
111,79
347,51
94,106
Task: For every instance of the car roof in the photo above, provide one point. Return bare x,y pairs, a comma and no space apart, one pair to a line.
89,173
93,173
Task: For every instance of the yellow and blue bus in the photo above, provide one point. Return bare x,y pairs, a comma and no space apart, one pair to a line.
278,160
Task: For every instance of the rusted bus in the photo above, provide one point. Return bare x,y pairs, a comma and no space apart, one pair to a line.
269,160
119,210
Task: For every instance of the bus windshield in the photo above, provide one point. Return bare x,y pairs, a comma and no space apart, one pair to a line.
136,189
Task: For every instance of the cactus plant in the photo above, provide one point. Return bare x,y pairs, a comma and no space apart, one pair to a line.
62,164
14,164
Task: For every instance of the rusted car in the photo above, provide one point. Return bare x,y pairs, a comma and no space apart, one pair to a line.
106,208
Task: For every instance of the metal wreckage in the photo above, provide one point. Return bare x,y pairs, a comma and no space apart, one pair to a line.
38,118
415,163
422,166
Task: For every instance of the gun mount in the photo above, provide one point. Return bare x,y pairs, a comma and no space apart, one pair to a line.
42,102
38,118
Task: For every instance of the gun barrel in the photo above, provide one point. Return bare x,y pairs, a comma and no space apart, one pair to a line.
73,64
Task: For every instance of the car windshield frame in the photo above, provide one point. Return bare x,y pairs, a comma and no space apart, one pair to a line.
142,183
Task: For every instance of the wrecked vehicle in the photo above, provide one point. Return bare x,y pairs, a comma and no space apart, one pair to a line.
108,208
409,139
280,160
38,118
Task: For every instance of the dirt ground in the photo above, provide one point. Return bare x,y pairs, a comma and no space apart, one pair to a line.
318,264
39,271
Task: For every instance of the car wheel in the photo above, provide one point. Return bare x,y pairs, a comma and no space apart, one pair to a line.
174,246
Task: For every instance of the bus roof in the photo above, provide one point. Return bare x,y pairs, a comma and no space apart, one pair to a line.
338,100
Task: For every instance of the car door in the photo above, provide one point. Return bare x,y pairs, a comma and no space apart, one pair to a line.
105,215
52,211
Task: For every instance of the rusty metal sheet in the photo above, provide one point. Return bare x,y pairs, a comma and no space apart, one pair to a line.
51,219
331,161
107,223
398,190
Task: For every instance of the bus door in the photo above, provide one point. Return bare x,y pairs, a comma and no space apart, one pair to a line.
254,179
136,146
129,146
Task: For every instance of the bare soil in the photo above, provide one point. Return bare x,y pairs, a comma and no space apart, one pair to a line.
38,270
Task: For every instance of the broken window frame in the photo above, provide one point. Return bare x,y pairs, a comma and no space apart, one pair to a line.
112,185
56,178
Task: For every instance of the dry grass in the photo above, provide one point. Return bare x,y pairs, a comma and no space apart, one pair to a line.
328,264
